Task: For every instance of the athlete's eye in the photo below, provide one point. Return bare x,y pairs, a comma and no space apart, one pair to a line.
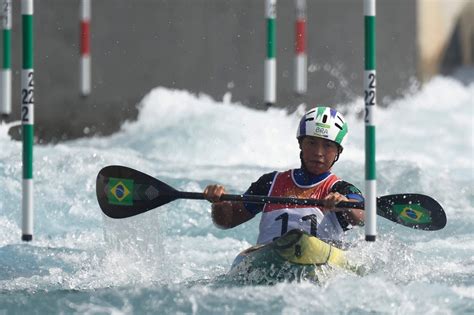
310,142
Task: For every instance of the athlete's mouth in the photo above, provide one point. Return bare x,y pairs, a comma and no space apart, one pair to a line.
316,162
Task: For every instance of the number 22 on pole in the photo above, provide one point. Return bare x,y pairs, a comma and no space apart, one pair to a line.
27,97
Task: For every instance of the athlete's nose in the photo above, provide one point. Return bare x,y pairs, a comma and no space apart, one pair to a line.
318,150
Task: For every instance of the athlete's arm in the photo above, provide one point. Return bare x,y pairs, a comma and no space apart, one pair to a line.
225,214
344,191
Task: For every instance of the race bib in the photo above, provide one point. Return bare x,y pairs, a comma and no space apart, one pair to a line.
277,222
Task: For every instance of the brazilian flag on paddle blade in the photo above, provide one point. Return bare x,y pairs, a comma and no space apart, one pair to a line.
120,191
412,213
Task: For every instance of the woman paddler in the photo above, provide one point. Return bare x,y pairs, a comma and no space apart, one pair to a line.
321,135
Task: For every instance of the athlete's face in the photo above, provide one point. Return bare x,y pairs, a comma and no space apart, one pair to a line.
318,154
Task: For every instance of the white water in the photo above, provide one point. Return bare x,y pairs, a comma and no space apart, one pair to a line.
166,260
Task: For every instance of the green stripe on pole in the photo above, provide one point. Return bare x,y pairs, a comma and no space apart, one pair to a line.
369,42
28,135
370,171
27,21
7,61
271,37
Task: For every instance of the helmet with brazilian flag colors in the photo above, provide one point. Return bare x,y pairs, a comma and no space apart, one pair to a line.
323,122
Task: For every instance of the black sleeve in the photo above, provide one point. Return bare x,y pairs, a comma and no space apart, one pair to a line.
351,192
259,188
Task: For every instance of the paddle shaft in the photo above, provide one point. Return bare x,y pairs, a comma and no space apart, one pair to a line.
123,192
267,199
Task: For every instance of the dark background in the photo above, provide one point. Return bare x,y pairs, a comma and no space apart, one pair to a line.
208,46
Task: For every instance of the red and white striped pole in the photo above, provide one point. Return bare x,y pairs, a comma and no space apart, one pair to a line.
301,77
6,69
85,72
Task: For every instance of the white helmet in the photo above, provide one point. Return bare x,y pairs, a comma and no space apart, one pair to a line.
323,122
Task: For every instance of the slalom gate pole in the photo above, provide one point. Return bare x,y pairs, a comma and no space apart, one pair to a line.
6,72
85,70
27,118
300,49
270,80
370,103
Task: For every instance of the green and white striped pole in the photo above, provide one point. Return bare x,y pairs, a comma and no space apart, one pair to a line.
6,72
270,63
27,118
370,102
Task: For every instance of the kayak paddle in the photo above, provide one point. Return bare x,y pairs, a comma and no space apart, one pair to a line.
123,192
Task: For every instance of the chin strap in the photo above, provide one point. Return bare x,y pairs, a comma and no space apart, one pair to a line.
337,156
302,162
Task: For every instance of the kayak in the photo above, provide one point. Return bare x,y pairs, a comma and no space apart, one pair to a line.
295,256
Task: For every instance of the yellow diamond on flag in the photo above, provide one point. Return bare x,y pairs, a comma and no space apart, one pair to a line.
120,191
409,212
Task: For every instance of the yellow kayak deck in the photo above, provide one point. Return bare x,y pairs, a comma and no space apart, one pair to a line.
296,255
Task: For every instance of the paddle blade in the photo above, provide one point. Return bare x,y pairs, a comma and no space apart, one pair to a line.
412,210
123,192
